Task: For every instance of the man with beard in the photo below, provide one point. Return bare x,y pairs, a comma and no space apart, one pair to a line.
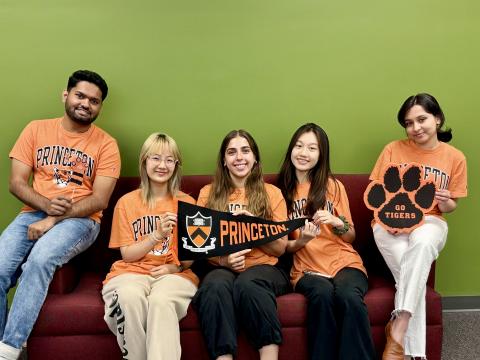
74,165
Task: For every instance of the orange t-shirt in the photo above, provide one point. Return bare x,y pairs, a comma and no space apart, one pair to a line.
237,201
326,254
66,163
134,221
444,165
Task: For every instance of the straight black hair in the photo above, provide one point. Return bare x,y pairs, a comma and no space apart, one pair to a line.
318,176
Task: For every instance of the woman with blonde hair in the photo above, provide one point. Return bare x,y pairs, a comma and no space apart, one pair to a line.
148,291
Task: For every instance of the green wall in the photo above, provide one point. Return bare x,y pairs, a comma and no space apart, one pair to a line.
197,69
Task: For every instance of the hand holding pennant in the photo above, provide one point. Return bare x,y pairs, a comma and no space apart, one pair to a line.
205,233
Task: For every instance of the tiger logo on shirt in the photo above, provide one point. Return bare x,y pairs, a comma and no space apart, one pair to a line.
163,248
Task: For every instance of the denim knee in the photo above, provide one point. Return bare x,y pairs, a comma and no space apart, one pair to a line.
6,282
39,265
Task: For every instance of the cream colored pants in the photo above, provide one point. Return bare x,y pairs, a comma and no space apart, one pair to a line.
143,312
410,257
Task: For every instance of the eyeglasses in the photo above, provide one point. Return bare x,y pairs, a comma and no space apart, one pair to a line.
157,159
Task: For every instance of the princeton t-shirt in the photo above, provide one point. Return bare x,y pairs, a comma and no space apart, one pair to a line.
134,221
66,163
238,201
445,165
326,254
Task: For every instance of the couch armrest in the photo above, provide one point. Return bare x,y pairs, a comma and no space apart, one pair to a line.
66,278
431,276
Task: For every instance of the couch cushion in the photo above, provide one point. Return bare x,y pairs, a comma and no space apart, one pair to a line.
380,303
77,313
81,311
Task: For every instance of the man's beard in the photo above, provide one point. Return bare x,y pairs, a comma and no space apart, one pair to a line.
79,120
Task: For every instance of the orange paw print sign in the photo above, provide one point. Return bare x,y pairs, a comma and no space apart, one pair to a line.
402,200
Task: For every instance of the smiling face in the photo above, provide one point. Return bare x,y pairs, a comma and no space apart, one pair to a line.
421,127
305,154
83,103
160,166
239,160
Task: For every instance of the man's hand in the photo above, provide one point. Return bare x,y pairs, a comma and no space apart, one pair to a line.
37,229
58,206
98,200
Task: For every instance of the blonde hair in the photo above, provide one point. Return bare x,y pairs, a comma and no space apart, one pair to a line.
222,186
156,143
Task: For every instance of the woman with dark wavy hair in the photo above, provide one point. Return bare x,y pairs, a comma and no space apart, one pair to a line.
240,289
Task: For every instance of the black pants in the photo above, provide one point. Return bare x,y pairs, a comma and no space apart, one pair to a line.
226,301
337,319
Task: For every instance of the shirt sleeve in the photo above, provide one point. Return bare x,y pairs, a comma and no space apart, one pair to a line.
203,196
278,205
458,181
121,234
186,198
109,162
343,207
23,148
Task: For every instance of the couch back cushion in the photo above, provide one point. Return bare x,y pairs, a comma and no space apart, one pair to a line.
99,257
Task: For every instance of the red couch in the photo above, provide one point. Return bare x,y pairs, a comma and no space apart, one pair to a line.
71,326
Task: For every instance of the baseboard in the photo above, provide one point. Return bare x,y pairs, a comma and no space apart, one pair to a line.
461,303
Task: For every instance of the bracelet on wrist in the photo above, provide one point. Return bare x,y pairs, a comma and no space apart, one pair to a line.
342,230
180,268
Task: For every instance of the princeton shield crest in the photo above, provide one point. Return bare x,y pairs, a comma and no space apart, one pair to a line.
199,228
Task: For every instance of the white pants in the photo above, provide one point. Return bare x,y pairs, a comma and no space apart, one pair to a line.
143,312
410,257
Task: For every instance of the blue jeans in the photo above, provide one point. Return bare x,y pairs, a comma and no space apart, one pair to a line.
38,261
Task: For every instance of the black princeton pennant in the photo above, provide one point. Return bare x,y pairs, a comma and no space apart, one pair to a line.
205,233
